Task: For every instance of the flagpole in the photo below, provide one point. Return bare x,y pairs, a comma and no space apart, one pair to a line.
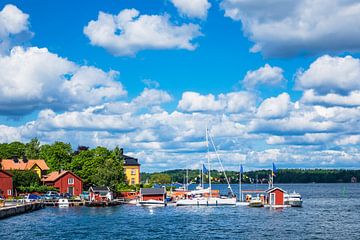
240,192
272,176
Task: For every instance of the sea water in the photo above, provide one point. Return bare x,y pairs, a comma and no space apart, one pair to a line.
330,211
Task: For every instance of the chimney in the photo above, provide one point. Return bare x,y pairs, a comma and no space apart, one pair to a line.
15,159
25,160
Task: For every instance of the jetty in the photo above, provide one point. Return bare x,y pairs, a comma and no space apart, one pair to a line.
13,210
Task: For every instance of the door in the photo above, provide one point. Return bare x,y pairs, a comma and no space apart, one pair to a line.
272,198
71,191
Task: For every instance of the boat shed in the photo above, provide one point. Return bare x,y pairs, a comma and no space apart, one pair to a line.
100,194
275,196
153,194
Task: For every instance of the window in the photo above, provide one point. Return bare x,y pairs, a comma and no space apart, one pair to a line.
70,181
132,180
9,192
133,171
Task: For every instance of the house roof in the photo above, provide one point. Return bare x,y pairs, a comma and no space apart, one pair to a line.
7,173
99,189
9,164
130,161
273,189
53,176
152,191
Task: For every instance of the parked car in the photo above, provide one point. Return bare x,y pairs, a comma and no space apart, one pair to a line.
65,195
32,198
51,195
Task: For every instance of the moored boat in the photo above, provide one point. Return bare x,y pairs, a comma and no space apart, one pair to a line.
293,199
256,202
63,203
205,197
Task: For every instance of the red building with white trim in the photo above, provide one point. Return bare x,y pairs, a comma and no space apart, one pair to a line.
65,182
147,194
6,184
275,196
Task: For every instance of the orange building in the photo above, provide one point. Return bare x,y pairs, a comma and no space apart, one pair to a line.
39,166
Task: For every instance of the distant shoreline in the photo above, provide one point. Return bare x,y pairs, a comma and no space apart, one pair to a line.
262,176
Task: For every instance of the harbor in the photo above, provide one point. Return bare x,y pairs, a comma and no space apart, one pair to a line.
227,222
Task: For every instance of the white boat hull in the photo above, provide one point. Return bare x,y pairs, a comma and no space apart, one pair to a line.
63,203
152,203
206,202
294,203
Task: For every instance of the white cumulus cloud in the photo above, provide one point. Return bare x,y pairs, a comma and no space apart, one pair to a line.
129,32
285,28
265,75
331,75
14,26
193,8
34,78
275,107
230,102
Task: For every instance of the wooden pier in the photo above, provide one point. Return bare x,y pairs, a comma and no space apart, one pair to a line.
72,203
13,210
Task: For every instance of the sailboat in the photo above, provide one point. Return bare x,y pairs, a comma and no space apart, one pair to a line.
202,196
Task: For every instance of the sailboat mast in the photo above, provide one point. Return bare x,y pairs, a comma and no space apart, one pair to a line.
221,165
240,191
208,159
187,179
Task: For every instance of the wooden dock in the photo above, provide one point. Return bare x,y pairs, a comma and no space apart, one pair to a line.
13,210
72,203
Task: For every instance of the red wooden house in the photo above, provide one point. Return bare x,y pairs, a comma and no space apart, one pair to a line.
6,184
65,182
275,196
158,194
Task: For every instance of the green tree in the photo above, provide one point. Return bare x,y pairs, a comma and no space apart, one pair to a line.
32,149
25,178
58,155
160,178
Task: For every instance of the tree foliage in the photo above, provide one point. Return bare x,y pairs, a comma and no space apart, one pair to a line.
160,178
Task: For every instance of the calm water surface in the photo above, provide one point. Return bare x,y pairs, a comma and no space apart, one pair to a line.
330,211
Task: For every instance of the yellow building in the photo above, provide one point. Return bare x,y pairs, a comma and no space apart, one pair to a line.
132,170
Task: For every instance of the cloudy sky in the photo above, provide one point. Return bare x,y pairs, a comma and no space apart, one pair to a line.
274,80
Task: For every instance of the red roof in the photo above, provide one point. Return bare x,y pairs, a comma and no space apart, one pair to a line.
9,164
273,189
53,176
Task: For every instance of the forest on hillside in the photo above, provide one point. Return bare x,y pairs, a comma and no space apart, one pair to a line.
260,176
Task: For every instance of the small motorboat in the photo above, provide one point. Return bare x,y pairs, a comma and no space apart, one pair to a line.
63,203
293,199
256,202
152,203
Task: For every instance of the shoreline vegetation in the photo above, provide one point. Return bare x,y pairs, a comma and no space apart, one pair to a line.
259,176
100,166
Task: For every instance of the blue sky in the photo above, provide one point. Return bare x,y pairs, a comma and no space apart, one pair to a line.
273,80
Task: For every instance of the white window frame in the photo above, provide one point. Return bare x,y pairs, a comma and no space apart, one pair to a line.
71,182
272,198
133,171
9,192
132,180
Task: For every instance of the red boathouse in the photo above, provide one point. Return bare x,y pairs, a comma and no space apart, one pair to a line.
6,184
65,181
275,196
152,194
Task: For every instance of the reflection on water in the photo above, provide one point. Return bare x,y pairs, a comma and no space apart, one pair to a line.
329,212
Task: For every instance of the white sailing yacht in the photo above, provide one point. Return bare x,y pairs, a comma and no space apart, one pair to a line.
203,197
